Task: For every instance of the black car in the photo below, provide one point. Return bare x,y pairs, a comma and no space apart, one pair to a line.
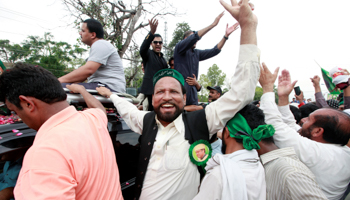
125,141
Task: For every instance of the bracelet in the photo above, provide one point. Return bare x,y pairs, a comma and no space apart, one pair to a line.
226,37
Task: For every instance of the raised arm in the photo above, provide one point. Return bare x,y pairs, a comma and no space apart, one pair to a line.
205,30
90,101
188,42
246,75
228,32
153,23
320,101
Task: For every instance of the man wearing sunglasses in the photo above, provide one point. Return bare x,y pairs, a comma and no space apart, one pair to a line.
153,60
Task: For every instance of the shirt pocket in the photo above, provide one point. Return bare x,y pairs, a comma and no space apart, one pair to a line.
177,157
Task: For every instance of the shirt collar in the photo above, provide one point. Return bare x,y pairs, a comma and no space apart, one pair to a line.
178,123
275,154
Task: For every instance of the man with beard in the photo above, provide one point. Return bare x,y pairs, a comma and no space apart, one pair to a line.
165,169
321,141
187,57
103,67
153,60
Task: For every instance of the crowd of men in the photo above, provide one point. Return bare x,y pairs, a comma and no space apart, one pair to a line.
228,149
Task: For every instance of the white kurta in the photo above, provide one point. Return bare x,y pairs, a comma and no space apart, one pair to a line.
170,174
249,170
328,162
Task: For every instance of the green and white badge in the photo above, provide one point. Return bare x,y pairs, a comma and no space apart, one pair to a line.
200,152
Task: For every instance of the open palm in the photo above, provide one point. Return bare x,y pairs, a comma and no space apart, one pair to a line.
285,85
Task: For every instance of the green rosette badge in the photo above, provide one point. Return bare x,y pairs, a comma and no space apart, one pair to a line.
200,152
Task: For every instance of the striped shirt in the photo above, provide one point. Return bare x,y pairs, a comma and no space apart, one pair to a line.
287,177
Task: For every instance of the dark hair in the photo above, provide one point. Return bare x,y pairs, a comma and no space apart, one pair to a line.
30,80
183,89
333,130
296,112
170,59
254,117
256,102
307,109
186,34
95,26
157,35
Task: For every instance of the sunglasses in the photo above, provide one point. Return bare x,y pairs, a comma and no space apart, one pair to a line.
157,42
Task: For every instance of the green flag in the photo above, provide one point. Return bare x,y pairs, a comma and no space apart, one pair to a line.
328,81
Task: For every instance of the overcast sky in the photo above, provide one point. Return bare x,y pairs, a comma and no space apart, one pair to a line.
290,35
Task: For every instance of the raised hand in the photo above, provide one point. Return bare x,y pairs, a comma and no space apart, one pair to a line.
300,97
230,30
242,12
153,23
316,81
267,79
285,85
217,19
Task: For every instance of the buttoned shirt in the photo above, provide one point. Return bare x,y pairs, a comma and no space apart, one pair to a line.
170,174
72,157
328,162
288,178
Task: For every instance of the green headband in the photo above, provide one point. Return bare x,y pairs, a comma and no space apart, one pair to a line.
168,72
239,129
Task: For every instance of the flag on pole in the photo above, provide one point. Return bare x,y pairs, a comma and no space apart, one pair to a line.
328,81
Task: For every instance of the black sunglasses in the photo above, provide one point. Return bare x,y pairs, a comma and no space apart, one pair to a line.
157,42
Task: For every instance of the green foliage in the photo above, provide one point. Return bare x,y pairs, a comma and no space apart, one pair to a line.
214,77
178,33
43,51
258,93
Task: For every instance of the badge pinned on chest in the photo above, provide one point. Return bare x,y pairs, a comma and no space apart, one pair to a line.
200,152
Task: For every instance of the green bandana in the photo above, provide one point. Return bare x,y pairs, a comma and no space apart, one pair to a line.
168,72
239,128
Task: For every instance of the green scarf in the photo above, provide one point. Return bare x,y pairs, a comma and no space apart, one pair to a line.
239,129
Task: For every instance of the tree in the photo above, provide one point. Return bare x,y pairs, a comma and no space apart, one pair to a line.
119,20
258,93
52,55
214,77
178,33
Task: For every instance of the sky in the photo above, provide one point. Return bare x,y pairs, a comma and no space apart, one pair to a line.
291,35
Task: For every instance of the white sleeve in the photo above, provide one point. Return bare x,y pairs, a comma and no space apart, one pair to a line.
211,187
285,136
132,116
288,117
242,89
